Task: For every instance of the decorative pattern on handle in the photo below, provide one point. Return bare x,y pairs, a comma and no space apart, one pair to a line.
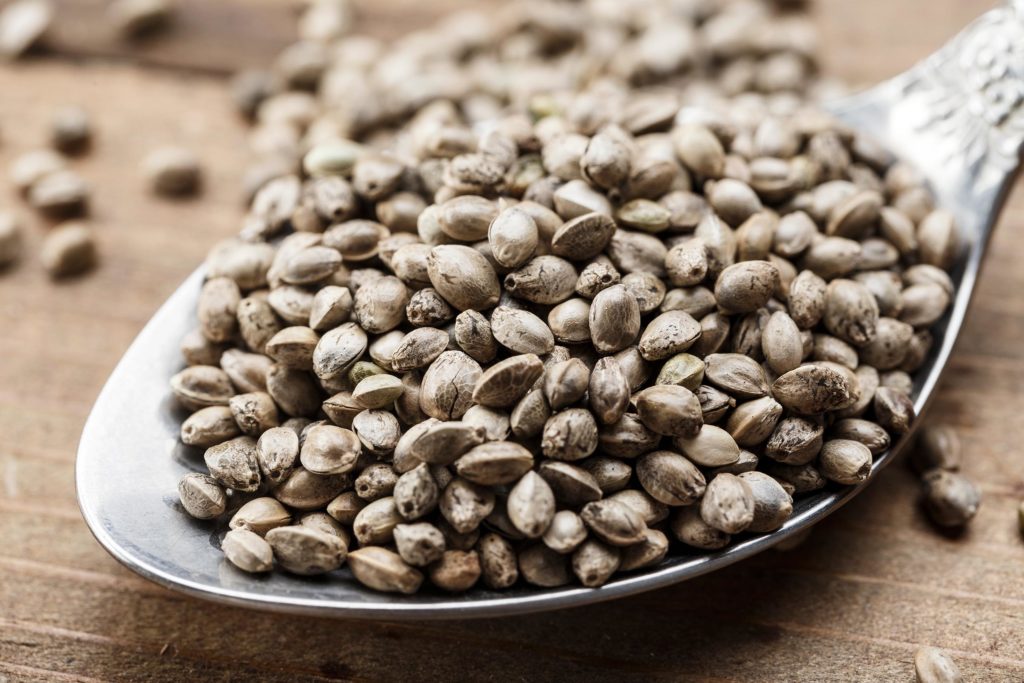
970,94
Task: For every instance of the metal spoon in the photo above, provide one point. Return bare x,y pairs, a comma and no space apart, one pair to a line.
957,116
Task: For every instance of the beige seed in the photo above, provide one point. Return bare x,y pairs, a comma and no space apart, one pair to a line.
260,515
736,374
498,567
648,553
293,347
464,504
378,431
441,443
248,551
544,279
513,237
845,462
583,237
209,427
569,321
69,249
447,388
338,349
521,331
463,277
670,410
614,319
327,449
495,423
812,389
172,171
10,238
686,263
866,432
752,422
938,239
893,410
468,217
376,481
668,334
781,343
304,490
565,533
670,478
728,504
255,413
200,386
932,665
712,447
383,570
419,544
938,447
375,523
772,504
570,435
306,551
699,149
473,335
506,382
795,441
609,390
377,391
851,312
540,566
571,485
233,463
746,286
531,505
201,496
416,493
494,463
565,383
614,522
951,499
593,562
688,526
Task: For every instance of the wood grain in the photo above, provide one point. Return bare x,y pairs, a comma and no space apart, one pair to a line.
873,583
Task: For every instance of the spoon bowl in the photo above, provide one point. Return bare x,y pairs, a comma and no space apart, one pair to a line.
941,116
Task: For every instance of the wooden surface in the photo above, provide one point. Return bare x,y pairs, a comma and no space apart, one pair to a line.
852,604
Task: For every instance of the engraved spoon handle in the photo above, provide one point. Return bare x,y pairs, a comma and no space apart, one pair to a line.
958,115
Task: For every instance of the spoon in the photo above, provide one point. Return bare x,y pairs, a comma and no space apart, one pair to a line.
957,116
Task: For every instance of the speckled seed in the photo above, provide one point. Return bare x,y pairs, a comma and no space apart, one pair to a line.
529,415
570,435
688,526
844,461
772,504
383,570
614,319
513,237
201,496
572,485
200,386
795,441
375,523
506,382
543,280
752,422
597,275
473,335
728,504
812,389
521,331
570,321
498,567
670,410
668,334
583,237
851,312
670,478
338,349
419,544
614,522
950,498
416,493
687,263
463,277
293,347
306,551
465,504
233,463
456,571
257,323
807,299
255,412
260,515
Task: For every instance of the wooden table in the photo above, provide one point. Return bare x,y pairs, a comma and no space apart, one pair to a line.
854,603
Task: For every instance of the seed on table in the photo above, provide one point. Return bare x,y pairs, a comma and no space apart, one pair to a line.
172,171
531,505
247,551
306,551
670,478
932,665
135,18
728,504
772,504
260,515
419,544
951,499
570,435
506,382
255,413
22,25
10,238
937,447
609,389
201,496
69,249
465,504
383,570
689,528
495,463
70,130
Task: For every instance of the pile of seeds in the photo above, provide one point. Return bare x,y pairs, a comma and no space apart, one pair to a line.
555,340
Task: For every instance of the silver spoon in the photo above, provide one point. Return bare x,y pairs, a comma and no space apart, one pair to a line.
957,116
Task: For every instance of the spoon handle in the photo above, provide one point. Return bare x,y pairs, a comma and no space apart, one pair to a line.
959,114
